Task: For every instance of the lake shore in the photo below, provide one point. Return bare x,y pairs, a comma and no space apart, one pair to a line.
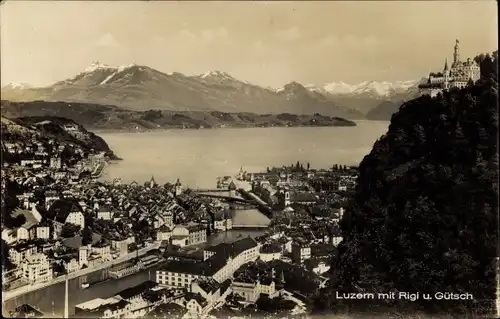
161,129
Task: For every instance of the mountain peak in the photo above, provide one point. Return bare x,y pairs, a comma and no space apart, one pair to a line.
96,65
215,74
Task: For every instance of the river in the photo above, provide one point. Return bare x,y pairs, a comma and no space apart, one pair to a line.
197,157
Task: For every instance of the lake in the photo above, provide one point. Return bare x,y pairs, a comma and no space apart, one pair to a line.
198,157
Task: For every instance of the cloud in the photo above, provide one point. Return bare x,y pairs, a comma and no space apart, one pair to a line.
107,40
290,34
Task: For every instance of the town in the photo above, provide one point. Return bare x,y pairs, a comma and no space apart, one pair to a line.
65,223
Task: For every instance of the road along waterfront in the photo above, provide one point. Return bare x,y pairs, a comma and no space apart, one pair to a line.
50,298
29,288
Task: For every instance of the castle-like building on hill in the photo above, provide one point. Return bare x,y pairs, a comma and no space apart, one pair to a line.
458,75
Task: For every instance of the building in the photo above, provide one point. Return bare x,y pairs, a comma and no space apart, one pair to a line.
223,221
26,231
37,268
219,263
164,233
103,250
178,187
459,75
50,198
251,289
21,252
246,288
55,162
73,216
104,213
300,252
197,234
336,240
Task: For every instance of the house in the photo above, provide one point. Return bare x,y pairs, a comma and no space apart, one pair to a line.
209,289
55,162
270,252
103,250
64,216
197,234
72,266
20,252
41,231
317,266
104,213
195,303
26,231
37,268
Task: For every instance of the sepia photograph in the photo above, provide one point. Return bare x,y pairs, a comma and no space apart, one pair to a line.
249,159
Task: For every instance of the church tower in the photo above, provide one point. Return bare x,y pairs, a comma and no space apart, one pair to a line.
178,188
287,197
456,53
446,75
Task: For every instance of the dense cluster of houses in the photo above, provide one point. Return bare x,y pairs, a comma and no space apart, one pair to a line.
70,221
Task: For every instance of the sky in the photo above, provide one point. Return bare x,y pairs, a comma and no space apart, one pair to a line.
265,43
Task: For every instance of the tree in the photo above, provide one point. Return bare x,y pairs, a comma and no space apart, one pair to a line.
69,230
5,255
86,236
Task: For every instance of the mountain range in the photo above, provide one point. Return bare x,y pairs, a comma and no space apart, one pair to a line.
140,88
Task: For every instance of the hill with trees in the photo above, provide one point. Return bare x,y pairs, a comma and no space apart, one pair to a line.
424,217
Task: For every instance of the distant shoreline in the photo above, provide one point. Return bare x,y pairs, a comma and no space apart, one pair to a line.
100,130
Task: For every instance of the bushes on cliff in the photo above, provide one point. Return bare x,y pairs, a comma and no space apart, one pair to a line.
425,214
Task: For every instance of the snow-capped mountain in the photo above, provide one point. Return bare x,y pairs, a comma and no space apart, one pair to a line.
140,87
215,75
380,89
16,86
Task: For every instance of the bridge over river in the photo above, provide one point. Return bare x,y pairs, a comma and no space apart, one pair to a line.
249,212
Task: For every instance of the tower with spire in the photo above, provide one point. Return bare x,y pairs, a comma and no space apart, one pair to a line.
178,187
152,182
446,75
456,53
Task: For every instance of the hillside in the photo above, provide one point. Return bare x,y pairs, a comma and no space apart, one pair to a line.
141,88
62,130
103,117
424,217
383,111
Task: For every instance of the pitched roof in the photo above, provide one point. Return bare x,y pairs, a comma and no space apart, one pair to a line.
136,290
30,218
